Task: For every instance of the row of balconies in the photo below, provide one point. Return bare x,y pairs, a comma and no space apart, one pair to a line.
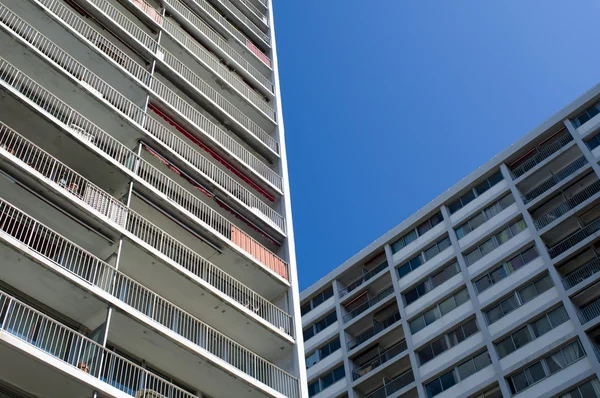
201,165
149,176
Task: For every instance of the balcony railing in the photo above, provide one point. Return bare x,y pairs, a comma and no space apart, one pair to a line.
148,10
232,30
9,19
363,279
48,167
371,301
203,124
589,312
567,205
555,179
597,352
218,68
259,14
382,358
195,81
76,260
209,33
79,125
574,238
582,273
255,29
541,155
372,331
82,353
396,384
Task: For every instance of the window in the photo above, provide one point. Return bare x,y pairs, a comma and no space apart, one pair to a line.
594,142
416,232
447,341
494,242
591,389
323,352
423,257
586,115
546,367
494,392
531,331
319,325
458,374
483,216
518,298
472,193
363,278
325,381
431,283
505,269
317,300
441,309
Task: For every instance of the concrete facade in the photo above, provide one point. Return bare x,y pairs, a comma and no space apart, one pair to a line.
490,290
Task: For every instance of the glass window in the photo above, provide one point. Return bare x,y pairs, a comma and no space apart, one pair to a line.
431,316
515,263
411,296
504,236
423,228
482,360
518,227
521,337
410,237
416,263
541,326
494,314
312,359
543,284
431,252
506,201
439,346
528,293
434,388
498,274
495,178
448,380
529,255
454,206
436,219
456,336
417,324
425,355
477,221
487,247
483,283
536,372
466,369
470,327
314,388
558,316
481,188
461,297
505,347
462,231
467,197
518,382
447,305
403,270
509,304
305,308
444,244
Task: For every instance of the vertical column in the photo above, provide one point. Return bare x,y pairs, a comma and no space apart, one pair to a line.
476,305
589,156
414,364
343,340
554,275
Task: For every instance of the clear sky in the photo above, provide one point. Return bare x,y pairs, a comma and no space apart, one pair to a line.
388,103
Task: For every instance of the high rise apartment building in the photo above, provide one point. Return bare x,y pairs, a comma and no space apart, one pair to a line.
490,290
145,226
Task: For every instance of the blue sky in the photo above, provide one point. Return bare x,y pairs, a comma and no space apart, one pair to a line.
387,103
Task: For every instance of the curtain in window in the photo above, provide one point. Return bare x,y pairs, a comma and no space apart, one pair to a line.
596,386
572,352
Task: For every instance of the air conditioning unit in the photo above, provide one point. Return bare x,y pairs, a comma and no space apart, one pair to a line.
148,394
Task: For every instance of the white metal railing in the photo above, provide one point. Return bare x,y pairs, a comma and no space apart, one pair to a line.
185,13
228,26
597,352
589,312
149,10
396,384
379,360
371,301
251,25
17,25
194,80
81,352
217,67
574,238
71,182
541,155
76,260
88,131
259,14
582,273
569,204
548,183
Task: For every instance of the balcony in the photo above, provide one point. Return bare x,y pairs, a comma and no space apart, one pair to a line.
245,24
394,385
216,43
378,361
589,312
581,274
207,276
203,92
169,333
569,204
62,352
369,302
378,327
365,277
574,238
555,179
540,155
220,23
259,17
